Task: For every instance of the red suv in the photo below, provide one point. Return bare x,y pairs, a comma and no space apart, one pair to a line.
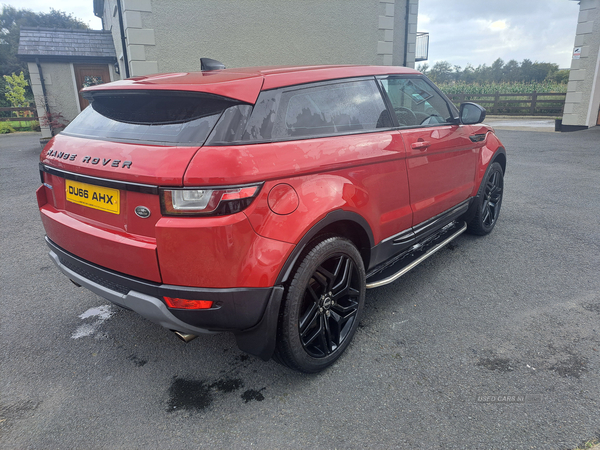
264,201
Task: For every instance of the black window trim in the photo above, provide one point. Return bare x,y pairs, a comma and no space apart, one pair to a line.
452,109
139,142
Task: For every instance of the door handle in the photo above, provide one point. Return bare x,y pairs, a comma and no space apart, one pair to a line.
420,145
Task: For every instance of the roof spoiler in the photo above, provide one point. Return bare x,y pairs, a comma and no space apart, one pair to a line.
207,64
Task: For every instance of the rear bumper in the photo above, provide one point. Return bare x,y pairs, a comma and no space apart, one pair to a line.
236,310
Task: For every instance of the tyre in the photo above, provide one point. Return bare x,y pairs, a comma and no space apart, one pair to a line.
489,200
323,306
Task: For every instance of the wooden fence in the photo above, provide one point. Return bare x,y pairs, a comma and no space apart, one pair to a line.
6,114
515,104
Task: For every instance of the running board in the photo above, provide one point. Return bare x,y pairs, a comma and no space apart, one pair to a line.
417,261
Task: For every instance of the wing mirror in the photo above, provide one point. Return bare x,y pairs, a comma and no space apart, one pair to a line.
471,113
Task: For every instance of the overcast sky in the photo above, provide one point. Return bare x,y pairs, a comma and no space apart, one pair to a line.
481,31
461,31
81,9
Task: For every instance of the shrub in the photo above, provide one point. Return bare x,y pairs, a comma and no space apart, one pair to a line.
55,121
15,90
26,125
6,127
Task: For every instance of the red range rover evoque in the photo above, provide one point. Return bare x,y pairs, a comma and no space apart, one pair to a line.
264,201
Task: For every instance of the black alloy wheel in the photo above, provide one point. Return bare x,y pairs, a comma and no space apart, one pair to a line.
323,306
329,306
490,201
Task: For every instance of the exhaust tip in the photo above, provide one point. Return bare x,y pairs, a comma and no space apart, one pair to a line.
185,337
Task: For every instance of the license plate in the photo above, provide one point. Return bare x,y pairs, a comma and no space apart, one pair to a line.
97,197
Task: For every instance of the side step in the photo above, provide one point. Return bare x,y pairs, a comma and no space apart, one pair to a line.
411,259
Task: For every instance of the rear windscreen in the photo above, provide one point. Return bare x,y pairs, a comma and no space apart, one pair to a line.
156,117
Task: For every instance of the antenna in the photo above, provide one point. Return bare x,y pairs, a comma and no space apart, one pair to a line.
207,64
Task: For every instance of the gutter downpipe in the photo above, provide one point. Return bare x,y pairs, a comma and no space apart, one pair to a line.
406,25
123,40
46,108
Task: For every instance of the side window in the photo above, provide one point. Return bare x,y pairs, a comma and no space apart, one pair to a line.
324,110
415,102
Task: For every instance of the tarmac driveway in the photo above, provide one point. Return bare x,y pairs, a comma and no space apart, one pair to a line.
492,343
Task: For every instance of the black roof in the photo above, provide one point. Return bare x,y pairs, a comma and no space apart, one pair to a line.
56,44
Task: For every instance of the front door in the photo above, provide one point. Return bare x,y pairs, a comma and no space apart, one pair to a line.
89,75
440,157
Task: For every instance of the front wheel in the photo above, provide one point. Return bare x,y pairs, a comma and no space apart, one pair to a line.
489,201
323,305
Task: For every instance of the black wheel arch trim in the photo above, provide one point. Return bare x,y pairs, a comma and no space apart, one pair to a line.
500,152
338,215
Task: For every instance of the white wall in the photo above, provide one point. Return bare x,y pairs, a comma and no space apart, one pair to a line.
168,36
60,91
583,92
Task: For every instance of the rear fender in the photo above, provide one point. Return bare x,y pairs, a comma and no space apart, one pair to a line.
315,197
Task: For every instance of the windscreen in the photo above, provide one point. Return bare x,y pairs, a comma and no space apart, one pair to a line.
156,117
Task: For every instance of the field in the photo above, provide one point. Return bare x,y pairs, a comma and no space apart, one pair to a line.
503,88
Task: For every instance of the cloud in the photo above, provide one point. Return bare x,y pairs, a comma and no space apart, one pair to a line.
498,25
83,10
476,32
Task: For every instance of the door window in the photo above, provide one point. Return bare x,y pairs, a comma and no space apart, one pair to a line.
316,111
415,102
87,75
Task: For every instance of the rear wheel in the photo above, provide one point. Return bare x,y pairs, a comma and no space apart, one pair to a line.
490,200
322,307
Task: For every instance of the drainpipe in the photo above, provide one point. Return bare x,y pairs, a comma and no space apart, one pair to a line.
46,107
406,25
123,41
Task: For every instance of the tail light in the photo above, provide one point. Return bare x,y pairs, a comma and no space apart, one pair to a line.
207,202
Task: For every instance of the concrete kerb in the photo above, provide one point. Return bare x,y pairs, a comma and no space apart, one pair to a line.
516,123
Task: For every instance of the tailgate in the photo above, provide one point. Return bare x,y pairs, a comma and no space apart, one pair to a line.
90,194
101,175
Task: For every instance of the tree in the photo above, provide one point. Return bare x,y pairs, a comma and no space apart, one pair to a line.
526,71
468,75
441,72
543,70
511,71
483,74
15,92
559,76
497,70
4,103
457,75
